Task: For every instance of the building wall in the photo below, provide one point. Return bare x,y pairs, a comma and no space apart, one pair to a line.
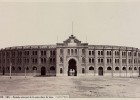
114,60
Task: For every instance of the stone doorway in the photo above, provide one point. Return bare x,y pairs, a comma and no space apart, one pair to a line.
43,71
72,68
100,71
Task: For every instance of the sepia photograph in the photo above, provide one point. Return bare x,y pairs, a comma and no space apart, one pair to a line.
69,49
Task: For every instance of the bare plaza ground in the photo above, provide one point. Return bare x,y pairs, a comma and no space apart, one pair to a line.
75,87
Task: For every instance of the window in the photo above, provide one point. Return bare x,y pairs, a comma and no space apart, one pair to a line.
13,68
139,54
50,60
130,68
92,60
68,51
92,52
34,68
44,60
54,53
83,70
98,52
124,68
108,52
91,68
83,51
116,60
135,54
75,51
72,51
54,60
98,60
19,68
109,60
102,60
117,68
27,68
89,60
42,53
51,53
89,52
109,68
101,52
135,68
123,61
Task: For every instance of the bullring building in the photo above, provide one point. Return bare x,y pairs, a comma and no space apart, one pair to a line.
70,58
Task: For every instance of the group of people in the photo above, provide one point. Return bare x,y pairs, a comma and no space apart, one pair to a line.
72,72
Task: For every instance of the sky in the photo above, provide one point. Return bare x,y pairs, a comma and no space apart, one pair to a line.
45,23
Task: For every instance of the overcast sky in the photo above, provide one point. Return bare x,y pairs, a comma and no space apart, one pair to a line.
39,23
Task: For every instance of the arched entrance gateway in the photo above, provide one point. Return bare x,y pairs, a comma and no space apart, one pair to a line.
43,71
72,68
100,71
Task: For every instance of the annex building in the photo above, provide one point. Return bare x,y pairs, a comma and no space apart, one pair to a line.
70,58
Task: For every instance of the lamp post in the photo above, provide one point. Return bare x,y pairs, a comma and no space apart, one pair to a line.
25,72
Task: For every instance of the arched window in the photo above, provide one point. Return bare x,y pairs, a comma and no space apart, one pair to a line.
91,68
107,52
72,51
98,52
102,53
135,68
53,59
124,68
52,68
89,60
34,68
50,60
44,60
92,52
68,51
19,68
130,68
109,68
53,52
75,51
89,52
13,68
117,68
27,68
83,70
92,60
41,60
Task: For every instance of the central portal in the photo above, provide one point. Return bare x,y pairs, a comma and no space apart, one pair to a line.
72,68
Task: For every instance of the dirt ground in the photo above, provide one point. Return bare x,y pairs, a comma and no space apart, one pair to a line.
75,87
